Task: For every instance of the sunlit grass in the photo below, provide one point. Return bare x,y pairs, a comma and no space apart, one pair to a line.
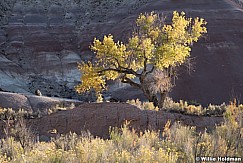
176,143
183,107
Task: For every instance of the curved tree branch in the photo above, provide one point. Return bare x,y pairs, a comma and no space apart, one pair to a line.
125,71
129,81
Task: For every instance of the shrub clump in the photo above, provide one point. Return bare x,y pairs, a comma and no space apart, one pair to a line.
183,107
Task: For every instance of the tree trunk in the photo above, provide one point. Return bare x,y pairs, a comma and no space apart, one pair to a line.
155,101
151,97
163,96
158,100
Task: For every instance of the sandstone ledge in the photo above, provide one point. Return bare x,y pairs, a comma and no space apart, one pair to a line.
99,117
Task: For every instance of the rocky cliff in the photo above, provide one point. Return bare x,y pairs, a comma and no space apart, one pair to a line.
41,42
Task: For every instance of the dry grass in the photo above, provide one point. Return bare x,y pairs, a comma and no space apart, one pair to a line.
183,107
176,143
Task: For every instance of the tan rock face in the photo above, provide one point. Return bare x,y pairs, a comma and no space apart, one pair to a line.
98,118
41,42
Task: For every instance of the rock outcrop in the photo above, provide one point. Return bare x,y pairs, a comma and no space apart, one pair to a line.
94,117
33,103
99,117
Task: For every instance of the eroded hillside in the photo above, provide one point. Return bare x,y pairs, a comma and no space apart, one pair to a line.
42,41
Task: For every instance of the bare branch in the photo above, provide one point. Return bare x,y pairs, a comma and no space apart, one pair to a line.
125,71
145,64
119,65
128,71
152,69
129,81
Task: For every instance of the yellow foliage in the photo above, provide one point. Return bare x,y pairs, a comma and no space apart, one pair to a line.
90,78
108,52
153,43
179,37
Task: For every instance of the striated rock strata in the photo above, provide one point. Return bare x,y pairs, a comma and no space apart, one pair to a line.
41,42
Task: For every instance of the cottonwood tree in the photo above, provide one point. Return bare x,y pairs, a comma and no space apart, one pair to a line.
152,56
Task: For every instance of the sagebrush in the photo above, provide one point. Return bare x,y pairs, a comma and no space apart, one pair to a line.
176,143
